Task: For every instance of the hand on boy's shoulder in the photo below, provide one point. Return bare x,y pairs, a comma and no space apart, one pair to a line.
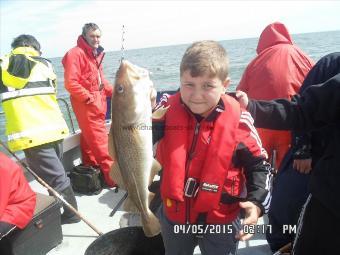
242,98
252,214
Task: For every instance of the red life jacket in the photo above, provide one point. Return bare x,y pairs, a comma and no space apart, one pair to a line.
207,163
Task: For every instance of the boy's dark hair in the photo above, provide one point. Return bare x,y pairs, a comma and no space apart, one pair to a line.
89,27
26,41
206,57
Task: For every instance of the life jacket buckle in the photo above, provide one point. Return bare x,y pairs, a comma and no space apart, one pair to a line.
190,187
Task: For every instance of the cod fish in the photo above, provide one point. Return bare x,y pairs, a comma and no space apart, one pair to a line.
130,141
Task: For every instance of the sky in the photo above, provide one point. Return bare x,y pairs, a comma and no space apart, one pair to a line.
57,24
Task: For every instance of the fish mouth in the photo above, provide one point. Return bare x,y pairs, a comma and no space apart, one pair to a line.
127,69
134,79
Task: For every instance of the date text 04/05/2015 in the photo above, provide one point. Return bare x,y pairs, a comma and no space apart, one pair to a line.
219,229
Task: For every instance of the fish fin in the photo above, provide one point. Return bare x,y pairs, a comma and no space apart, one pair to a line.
155,168
116,175
151,225
115,170
129,205
160,112
112,150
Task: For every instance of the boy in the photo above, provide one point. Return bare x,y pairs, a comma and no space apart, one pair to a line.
208,148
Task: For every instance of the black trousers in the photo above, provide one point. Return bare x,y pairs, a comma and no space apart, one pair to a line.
45,161
320,231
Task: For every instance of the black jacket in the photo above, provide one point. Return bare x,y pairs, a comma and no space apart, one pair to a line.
312,144
319,106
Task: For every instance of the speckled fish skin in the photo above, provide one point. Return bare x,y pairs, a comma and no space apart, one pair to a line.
131,139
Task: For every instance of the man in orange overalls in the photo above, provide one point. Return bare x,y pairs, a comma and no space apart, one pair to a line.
277,72
84,79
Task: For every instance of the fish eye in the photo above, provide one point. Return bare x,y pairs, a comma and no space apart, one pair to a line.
120,88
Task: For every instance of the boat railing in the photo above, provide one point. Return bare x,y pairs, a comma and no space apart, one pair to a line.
63,100
68,112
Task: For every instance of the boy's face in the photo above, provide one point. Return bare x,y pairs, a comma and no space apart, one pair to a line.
202,93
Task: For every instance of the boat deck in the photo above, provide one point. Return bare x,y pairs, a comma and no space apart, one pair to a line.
97,208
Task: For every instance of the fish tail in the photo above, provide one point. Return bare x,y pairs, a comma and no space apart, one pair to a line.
151,225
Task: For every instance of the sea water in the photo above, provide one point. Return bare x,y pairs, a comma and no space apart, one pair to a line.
163,62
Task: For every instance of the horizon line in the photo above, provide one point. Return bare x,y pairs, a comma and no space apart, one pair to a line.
186,43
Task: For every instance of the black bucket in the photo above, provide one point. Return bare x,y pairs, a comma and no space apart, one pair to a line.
126,241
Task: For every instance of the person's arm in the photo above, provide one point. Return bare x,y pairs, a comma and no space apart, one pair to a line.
17,198
251,157
73,77
318,106
107,86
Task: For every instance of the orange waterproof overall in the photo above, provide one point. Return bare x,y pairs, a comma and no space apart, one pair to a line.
277,72
85,81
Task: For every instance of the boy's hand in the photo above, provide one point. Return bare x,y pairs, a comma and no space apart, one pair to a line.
242,98
252,214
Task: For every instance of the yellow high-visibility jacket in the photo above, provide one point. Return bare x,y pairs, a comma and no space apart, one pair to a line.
28,96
